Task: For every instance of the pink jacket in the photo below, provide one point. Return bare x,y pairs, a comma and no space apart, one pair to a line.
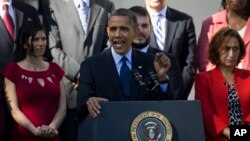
209,27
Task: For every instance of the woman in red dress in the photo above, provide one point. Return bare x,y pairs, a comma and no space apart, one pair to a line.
34,89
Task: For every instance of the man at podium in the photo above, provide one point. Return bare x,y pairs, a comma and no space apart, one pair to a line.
121,73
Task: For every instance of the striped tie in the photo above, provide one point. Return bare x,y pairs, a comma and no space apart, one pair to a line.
159,32
83,14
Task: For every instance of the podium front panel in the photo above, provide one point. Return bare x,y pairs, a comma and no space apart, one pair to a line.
115,119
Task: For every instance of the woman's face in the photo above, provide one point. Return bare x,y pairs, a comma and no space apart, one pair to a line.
229,54
39,44
236,5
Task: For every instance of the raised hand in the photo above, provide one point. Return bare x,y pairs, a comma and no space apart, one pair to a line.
162,64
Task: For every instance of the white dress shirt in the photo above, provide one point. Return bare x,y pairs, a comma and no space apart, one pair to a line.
117,58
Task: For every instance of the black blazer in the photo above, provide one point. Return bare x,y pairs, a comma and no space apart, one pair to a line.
99,78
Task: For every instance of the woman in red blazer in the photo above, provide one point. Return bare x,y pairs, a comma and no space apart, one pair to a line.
212,87
236,14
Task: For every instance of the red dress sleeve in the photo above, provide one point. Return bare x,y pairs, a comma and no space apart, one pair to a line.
9,71
57,70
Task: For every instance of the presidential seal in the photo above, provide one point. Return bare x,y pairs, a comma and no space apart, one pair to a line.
151,126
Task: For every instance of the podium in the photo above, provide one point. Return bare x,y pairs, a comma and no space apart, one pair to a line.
115,120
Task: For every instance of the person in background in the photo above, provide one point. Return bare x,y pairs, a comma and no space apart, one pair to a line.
12,15
42,9
174,33
235,15
77,30
107,76
141,42
33,3
44,13
223,91
34,89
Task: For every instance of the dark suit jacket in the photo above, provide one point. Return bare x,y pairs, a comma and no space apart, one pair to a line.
210,89
174,74
23,12
180,42
99,78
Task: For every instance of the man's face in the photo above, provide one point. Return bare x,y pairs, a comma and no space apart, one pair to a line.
121,33
156,5
142,38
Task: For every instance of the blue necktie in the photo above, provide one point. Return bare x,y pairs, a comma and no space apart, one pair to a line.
125,77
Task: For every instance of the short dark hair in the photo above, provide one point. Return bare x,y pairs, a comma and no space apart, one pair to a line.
27,30
219,41
140,11
224,6
127,13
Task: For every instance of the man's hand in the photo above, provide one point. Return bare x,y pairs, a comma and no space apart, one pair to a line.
161,64
75,83
94,106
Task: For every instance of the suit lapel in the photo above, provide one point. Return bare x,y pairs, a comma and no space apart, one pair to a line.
135,86
4,30
19,20
152,50
94,12
114,80
153,42
171,29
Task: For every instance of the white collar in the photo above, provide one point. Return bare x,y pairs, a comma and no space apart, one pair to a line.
152,13
117,57
145,49
2,3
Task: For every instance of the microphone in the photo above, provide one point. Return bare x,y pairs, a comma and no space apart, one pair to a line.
154,79
138,77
